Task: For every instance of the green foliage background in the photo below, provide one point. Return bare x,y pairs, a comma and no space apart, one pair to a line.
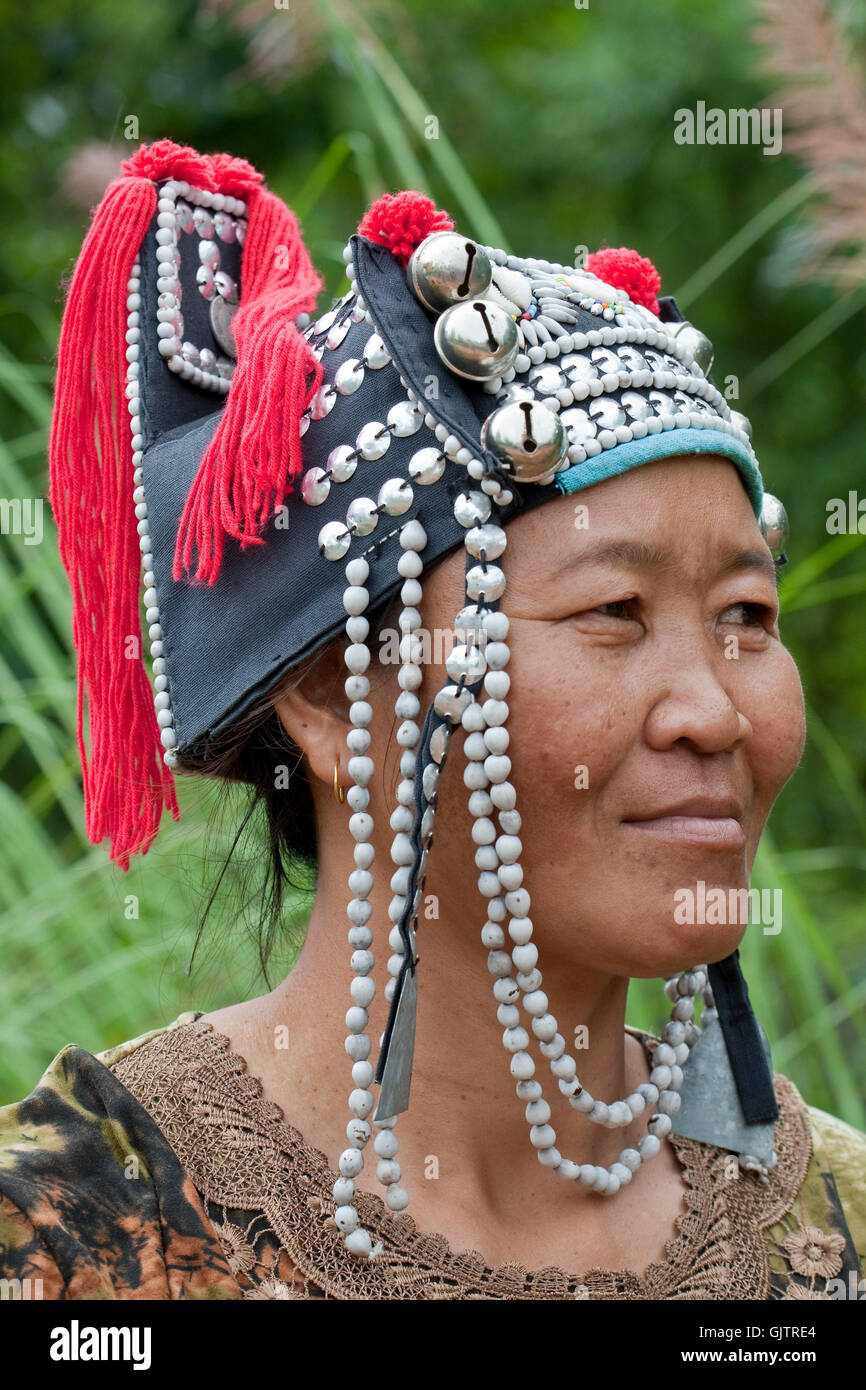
555,130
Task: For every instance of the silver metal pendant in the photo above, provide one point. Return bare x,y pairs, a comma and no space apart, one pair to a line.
773,522
447,268
397,1076
430,780
710,1109
375,354
528,435
477,340
439,743
203,222
451,701
696,343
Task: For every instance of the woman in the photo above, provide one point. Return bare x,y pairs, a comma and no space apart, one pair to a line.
627,757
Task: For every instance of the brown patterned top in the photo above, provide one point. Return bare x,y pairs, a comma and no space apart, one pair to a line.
268,1194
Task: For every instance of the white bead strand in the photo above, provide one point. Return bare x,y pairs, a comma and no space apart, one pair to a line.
413,538
356,1239
407,706
162,702
666,1076
488,766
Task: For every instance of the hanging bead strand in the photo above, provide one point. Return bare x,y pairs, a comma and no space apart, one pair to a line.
357,686
407,706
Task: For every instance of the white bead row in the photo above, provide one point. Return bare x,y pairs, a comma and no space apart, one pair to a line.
164,716
653,424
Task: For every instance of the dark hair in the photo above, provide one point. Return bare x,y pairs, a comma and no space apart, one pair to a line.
247,754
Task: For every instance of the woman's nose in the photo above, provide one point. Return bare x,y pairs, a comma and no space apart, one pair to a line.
695,707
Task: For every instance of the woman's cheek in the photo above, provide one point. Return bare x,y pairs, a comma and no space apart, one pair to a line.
775,708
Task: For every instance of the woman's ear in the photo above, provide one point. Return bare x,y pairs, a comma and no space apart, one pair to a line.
313,708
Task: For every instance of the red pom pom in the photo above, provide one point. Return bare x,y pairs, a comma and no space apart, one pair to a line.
166,160
626,270
401,221
234,176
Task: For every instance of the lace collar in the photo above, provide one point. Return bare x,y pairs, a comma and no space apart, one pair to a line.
244,1158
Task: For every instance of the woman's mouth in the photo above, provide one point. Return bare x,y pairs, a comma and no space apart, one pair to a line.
706,822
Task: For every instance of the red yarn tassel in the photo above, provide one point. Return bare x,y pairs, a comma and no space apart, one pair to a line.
255,454
253,457
126,782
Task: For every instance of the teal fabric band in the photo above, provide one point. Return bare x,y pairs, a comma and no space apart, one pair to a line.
667,444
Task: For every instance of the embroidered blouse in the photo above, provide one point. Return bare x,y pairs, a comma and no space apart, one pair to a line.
157,1170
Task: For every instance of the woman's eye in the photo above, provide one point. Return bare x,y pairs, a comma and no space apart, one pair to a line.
747,614
620,608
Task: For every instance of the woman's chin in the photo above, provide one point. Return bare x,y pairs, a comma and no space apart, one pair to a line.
672,947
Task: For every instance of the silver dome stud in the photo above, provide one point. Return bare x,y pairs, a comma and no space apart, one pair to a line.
448,269
334,540
427,466
341,463
221,315
696,343
349,376
375,353
315,486
203,222
531,437
472,508
362,516
395,496
581,428
373,440
477,340
773,522
404,419
487,538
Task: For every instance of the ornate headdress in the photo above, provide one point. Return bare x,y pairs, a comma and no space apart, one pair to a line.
273,480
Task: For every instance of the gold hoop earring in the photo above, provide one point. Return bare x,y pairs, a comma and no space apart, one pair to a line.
339,794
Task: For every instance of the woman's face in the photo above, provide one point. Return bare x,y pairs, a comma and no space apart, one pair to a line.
654,713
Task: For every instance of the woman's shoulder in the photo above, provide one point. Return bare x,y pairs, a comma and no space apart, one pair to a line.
93,1200
817,1239
845,1146
839,1154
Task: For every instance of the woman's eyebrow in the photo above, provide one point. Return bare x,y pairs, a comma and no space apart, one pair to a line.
638,554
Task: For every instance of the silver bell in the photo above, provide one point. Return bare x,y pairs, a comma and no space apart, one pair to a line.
696,343
742,422
773,522
447,269
477,339
529,435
